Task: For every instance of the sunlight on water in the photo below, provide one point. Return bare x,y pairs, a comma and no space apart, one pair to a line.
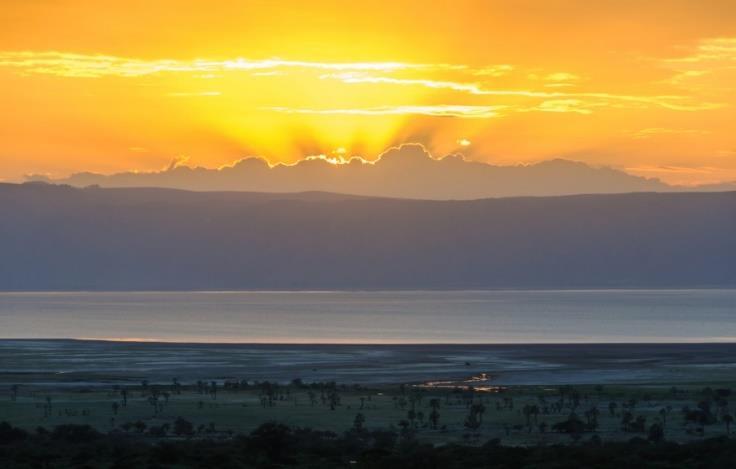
376,317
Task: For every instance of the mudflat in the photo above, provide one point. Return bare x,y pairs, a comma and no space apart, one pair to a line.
62,363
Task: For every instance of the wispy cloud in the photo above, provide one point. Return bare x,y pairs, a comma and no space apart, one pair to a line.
565,105
672,169
493,70
672,102
187,94
439,76
442,110
96,66
655,131
711,61
709,50
561,76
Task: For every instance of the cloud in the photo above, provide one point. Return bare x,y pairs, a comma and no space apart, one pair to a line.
442,110
138,149
566,105
179,161
194,94
710,50
72,65
493,70
672,102
95,66
672,169
561,76
708,66
407,170
352,78
655,131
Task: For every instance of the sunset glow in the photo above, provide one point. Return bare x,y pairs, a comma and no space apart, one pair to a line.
107,87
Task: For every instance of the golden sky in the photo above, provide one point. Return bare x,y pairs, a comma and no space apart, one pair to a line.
107,86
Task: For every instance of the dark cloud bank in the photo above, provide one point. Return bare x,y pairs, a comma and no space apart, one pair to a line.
64,238
407,171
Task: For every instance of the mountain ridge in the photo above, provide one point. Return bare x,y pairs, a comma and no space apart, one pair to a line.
64,238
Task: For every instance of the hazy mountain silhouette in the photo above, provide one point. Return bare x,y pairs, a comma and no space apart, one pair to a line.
407,171
61,238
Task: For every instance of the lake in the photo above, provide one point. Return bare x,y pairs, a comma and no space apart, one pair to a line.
483,317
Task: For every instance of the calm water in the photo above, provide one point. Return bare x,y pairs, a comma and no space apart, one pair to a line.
376,317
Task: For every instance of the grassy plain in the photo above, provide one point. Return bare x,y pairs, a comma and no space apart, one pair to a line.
233,411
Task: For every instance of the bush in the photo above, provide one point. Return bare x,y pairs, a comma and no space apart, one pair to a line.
10,434
75,433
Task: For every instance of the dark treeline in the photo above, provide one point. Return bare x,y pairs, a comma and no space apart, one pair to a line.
276,445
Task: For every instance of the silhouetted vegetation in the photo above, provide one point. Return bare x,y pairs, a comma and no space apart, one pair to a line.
277,445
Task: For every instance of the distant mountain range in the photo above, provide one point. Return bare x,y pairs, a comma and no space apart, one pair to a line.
64,238
408,171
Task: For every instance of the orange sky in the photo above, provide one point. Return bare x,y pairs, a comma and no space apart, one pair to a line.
95,85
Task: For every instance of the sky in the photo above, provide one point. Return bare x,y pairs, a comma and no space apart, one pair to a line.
110,86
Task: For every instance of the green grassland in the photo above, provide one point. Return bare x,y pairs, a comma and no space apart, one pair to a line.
523,415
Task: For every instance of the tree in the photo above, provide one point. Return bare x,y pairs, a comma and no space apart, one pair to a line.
572,426
471,421
728,420
526,411
480,409
591,418
411,415
333,399
10,434
475,418
274,439
358,422
434,416
183,427
656,433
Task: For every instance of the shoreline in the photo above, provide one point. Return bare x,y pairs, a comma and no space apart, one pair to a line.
66,362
